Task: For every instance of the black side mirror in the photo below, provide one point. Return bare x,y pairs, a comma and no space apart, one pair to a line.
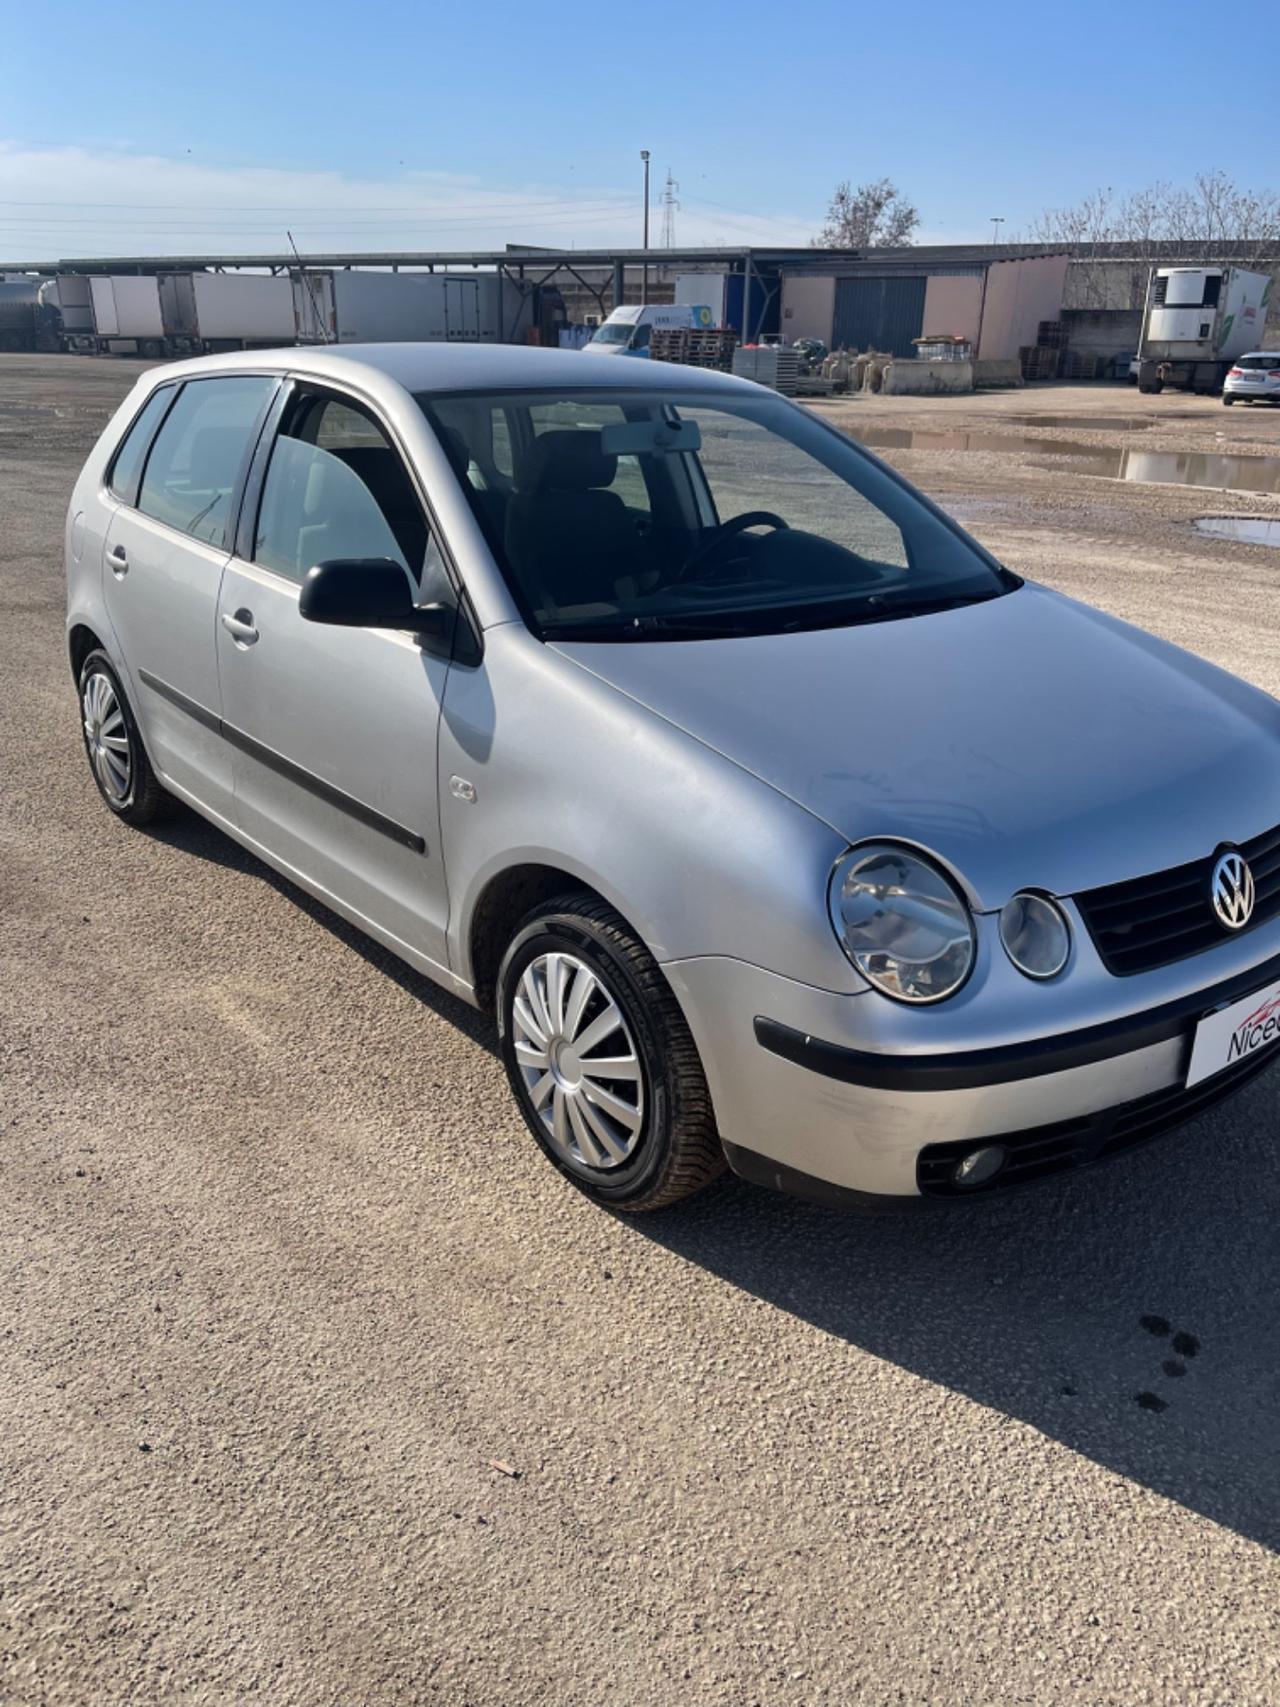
370,592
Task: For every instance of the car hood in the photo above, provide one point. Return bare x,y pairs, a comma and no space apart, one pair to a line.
1029,741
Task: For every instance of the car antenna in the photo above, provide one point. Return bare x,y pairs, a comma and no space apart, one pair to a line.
307,286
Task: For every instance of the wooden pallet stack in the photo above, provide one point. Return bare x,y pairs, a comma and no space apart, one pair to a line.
1039,362
1080,365
694,346
1046,357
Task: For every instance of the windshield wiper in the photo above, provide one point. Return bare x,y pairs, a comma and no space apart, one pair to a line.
778,619
649,628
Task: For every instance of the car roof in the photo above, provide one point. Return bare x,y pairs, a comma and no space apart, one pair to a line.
439,368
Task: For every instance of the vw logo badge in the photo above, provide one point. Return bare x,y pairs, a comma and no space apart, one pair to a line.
1231,889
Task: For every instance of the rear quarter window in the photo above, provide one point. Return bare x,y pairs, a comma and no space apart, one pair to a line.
126,466
195,462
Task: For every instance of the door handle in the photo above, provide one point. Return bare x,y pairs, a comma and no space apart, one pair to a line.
240,627
118,558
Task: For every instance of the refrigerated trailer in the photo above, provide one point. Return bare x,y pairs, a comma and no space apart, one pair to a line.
207,312
102,314
1197,321
344,306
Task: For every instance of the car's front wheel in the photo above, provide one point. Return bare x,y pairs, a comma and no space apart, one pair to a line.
601,1060
114,747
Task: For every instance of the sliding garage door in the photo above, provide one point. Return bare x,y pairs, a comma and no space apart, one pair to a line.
879,314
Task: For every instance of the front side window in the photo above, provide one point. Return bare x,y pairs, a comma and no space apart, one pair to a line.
637,515
195,462
337,488
132,453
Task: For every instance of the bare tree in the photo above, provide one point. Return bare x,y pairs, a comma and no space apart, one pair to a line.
872,216
1212,215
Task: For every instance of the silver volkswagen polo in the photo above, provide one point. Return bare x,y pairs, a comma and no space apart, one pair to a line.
773,817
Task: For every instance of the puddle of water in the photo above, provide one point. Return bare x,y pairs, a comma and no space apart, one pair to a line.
1252,530
1164,467
1089,423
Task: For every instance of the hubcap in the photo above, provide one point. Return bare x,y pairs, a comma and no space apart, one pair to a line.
578,1061
106,736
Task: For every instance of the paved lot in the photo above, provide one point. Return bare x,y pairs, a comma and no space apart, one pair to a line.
280,1274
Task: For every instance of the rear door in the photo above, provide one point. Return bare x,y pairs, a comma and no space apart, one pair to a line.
165,550
333,730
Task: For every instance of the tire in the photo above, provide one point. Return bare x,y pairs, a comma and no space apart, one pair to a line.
667,1145
1227,402
122,775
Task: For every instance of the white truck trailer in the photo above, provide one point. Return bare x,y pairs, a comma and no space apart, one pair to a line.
103,314
345,306
207,312
1197,321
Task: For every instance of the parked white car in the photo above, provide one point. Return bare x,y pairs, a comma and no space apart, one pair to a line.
1254,378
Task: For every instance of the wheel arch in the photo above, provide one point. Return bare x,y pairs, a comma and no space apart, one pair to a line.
506,898
81,640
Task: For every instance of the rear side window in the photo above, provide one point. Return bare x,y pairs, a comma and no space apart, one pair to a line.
132,453
196,460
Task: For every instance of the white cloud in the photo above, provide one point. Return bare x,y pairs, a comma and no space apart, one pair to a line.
60,203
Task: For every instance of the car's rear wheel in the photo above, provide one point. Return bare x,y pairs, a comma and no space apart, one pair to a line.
1227,401
113,746
601,1060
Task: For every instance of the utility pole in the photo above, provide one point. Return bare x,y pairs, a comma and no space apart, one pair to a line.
644,282
670,207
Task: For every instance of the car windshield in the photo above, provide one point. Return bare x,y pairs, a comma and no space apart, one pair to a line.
1262,362
631,515
616,332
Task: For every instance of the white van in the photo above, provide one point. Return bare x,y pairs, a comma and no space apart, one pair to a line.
627,330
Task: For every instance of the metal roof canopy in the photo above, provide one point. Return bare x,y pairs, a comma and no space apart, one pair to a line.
514,257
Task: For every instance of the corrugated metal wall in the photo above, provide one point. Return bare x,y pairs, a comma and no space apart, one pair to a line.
879,314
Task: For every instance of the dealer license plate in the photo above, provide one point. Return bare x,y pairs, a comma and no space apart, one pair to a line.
1235,1033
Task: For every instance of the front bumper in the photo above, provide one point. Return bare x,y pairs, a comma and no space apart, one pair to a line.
815,1090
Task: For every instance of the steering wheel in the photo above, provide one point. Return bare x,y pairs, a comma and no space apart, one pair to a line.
727,530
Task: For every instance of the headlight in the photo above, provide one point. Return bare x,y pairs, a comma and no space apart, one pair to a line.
1035,935
901,922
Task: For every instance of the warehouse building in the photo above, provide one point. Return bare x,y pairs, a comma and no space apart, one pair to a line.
871,299
892,297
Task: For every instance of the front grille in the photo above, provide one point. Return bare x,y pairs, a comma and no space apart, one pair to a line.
1150,921
1067,1144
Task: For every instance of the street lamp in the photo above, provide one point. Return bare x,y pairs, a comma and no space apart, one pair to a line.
997,220
644,285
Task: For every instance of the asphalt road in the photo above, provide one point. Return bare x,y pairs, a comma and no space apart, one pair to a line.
282,1277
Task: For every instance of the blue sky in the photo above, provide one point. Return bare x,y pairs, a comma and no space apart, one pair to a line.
459,126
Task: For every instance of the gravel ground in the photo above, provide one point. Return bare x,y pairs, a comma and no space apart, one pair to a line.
284,1280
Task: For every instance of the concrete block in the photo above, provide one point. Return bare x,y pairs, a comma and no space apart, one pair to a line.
997,371
927,379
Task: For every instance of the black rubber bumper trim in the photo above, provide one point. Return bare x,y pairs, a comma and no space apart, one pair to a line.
750,1165
1006,1063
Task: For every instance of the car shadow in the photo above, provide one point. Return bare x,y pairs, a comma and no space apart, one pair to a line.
186,832
1130,1312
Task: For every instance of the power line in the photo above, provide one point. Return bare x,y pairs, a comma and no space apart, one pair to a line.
316,207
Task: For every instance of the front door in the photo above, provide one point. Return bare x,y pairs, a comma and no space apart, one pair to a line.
333,730
165,553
